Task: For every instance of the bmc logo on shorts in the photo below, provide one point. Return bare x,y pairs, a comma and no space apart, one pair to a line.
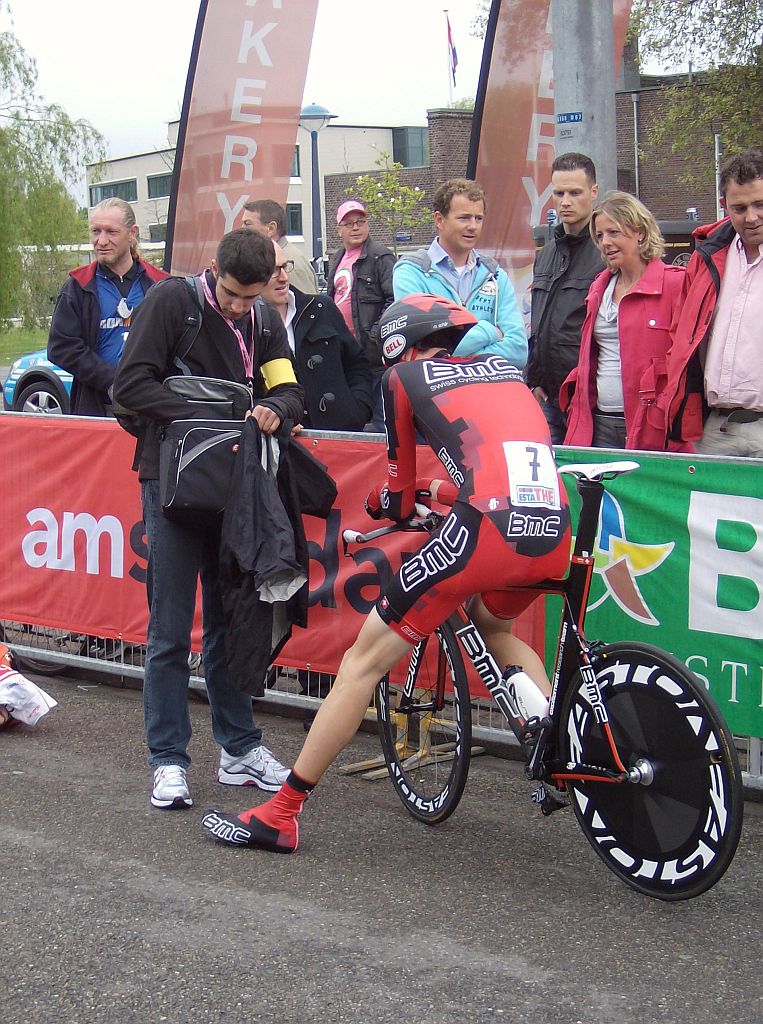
522,524
393,346
438,555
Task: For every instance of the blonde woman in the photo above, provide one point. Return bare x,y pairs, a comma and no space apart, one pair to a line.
626,334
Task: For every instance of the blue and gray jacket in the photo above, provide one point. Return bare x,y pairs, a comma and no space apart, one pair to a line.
500,330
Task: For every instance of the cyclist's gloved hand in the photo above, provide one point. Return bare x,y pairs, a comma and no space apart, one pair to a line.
377,503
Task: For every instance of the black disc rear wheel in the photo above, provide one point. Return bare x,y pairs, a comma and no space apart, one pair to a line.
425,727
673,834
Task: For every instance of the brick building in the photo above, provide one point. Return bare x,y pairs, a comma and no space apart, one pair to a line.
655,176
449,135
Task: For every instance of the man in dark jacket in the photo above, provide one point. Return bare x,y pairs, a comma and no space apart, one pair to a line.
229,346
329,362
94,309
360,282
563,272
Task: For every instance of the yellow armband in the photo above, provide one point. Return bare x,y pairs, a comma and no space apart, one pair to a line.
278,371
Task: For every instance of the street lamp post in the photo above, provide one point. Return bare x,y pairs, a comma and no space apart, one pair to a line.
717,154
313,118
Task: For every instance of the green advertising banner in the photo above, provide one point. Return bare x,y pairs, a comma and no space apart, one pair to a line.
679,564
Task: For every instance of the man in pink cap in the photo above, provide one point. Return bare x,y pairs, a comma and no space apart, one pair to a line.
360,283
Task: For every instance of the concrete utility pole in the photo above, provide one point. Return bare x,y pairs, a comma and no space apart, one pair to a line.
584,83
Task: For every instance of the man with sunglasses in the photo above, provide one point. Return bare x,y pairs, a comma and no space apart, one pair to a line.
360,283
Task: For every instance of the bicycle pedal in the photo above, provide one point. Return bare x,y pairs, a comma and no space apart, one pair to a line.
549,799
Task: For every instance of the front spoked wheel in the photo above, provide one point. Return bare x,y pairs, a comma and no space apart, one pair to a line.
425,726
673,833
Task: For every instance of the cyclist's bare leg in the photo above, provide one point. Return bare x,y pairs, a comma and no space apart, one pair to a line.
371,656
506,648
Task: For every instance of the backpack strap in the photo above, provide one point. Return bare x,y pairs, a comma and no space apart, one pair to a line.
262,318
419,257
192,323
492,264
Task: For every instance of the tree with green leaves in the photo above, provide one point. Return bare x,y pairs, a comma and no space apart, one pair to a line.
398,207
716,45
42,150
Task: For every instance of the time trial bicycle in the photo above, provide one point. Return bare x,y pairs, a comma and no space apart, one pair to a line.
631,735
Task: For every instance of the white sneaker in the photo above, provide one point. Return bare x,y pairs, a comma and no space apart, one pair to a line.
257,768
170,788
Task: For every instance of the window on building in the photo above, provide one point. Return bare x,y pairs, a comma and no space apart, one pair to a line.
157,232
410,146
127,190
159,185
293,218
295,163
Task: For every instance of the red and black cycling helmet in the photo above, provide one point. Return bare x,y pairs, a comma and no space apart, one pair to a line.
419,318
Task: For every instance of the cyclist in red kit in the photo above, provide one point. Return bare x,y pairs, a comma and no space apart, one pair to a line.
509,526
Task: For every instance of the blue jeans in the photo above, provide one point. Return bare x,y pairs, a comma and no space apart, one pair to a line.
376,423
557,421
177,556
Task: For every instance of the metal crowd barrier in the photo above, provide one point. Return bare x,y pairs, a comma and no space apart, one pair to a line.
45,651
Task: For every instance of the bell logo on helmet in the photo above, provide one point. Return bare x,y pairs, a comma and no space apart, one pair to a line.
393,347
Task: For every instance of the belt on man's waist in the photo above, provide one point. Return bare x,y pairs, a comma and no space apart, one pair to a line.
738,415
600,412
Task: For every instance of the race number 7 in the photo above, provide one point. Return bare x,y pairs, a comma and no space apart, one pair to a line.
532,474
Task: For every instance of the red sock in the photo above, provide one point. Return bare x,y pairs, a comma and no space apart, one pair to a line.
282,811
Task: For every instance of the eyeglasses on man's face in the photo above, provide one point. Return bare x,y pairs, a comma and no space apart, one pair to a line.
285,268
354,223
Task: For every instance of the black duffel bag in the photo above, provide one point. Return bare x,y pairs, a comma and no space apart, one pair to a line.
196,456
196,460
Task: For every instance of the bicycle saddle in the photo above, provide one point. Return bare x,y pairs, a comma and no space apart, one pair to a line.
598,470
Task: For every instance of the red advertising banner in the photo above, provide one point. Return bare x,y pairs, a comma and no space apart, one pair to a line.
73,549
240,117
516,128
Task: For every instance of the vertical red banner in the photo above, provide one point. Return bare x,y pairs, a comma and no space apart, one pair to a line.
513,141
240,117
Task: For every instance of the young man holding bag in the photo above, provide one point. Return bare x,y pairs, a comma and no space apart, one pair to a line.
229,346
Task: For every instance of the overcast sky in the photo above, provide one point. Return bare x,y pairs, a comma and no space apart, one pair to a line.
124,67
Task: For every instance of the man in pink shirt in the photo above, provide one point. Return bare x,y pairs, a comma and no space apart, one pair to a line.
715,365
360,283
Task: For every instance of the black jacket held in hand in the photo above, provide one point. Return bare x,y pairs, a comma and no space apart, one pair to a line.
157,328
330,365
371,294
264,553
563,272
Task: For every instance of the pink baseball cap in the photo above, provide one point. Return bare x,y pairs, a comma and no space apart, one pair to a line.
351,206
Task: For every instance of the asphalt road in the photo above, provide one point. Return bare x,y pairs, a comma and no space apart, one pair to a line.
115,912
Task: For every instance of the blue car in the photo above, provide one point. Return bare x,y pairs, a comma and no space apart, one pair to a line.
37,385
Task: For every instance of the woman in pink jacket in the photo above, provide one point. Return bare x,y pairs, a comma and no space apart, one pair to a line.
610,397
